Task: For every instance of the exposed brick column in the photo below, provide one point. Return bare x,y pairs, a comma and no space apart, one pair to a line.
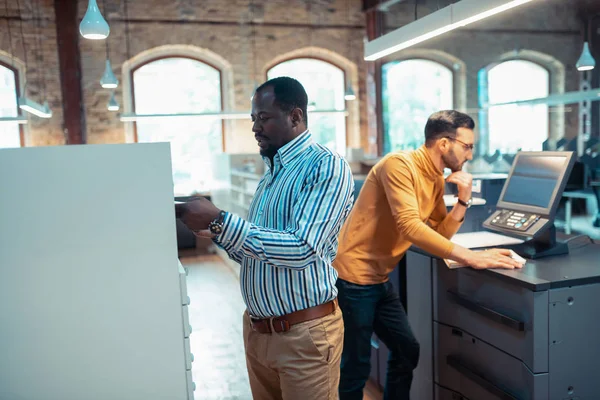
67,36
373,83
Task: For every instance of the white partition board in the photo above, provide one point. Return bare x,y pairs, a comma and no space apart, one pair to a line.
90,304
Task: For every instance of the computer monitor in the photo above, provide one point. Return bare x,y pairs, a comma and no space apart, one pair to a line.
529,199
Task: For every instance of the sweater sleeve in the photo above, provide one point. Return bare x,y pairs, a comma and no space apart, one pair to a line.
398,183
442,222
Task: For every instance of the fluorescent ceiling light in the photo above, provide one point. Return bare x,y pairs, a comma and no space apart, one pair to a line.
42,111
556,99
93,25
13,120
445,20
219,115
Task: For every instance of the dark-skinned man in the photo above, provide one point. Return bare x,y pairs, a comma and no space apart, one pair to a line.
293,328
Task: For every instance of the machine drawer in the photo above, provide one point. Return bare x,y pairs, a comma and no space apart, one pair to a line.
442,393
506,316
478,370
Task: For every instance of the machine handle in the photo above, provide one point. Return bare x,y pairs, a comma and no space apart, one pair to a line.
477,378
487,312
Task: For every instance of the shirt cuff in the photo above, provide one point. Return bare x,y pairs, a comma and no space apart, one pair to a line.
235,231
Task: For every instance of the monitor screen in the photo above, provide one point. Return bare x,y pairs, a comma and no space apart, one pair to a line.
534,179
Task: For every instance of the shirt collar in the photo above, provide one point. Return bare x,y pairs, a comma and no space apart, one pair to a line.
423,159
293,149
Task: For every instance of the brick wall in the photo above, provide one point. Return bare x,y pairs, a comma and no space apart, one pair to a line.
221,26
41,62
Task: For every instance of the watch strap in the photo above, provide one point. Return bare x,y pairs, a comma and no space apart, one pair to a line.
463,203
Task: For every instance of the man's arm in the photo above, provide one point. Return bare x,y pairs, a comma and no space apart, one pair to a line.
319,212
444,223
234,255
398,184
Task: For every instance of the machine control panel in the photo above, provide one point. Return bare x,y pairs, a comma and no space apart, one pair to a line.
515,220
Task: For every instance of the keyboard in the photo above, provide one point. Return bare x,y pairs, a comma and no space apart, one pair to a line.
515,220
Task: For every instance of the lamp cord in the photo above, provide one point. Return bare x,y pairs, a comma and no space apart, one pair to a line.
105,17
38,17
22,42
126,29
416,6
253,42
12,53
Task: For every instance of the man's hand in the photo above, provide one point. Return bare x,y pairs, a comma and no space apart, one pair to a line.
464,182
493,258
196,214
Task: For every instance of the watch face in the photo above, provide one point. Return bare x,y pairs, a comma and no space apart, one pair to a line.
216,229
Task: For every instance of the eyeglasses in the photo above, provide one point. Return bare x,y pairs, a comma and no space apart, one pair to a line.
465,145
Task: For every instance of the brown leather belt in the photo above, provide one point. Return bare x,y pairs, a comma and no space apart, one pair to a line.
283,323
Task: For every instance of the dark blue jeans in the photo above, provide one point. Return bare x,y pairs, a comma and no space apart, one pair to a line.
375,308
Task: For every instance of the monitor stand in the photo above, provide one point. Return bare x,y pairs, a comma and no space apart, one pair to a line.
541,246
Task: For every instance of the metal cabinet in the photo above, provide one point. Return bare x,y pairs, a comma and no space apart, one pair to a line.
526,334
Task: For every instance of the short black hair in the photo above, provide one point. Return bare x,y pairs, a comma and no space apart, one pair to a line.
445,123
289,94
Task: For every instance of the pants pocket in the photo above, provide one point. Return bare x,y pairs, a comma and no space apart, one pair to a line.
317,335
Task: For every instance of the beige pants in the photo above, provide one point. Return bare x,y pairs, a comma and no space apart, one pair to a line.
303,363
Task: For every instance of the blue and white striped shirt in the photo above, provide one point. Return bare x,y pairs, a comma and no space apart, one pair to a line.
286,247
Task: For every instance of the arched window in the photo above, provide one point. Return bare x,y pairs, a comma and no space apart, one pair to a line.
412,90
180,85
10,133
513,127
324,84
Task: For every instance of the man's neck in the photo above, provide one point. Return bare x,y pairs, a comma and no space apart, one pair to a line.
435,157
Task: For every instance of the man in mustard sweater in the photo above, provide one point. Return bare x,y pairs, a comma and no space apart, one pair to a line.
401,204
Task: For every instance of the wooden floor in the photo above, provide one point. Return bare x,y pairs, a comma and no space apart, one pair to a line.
216,309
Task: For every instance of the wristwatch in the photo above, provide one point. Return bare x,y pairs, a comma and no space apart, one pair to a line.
465,203
216,226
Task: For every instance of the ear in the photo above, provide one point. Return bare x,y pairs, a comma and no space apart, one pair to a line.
297,116
443,145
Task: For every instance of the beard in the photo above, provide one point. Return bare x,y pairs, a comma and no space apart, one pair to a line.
269,151
451,161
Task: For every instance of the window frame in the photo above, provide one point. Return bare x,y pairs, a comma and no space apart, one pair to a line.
418,57
313,57
17,77
168,56
483,98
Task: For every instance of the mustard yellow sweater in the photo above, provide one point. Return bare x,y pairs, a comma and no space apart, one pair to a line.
401,203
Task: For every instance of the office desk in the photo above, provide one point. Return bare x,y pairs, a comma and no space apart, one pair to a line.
507,334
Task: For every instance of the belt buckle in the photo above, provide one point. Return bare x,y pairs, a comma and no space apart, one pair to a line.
283,323
252,322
